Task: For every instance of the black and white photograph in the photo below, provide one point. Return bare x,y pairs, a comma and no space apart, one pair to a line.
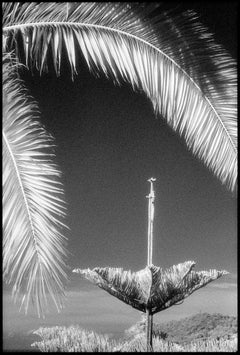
119,176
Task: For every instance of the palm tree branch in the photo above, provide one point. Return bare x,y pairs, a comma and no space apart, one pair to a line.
33,246
165,57
130,35
26,204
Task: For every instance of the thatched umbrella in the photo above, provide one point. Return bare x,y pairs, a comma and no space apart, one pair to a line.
152,289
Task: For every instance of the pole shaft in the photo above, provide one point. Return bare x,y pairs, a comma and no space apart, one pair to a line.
149,232
149,319
149,316
151,198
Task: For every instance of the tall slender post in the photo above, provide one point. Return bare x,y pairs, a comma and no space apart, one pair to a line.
151,198
149,325
149,316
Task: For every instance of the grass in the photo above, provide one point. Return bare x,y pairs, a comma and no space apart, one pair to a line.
75,339
213,345
72,339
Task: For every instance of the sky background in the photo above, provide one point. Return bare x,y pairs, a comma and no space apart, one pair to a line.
109,143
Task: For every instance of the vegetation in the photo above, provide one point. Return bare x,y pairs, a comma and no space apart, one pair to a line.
213,345
123,42
202,326
138,344
199,327
153,289
34,250
72,339
75,339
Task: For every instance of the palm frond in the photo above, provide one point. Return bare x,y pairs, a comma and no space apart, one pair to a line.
151,288
33,207
190,80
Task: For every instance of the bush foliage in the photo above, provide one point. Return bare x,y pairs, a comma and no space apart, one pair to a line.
201,326
72,339
75,339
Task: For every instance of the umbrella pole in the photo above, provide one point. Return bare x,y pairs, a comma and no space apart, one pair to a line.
149,315
149,320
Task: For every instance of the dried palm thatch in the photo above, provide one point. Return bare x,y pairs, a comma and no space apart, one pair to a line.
171,57
152,288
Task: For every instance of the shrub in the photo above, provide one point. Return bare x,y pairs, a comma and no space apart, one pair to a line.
138,344
75,339
72,339
213,345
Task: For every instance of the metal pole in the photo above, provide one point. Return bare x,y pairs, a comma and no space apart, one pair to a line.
149,316
149,320
151,198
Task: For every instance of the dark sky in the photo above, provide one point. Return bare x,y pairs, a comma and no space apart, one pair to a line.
108,144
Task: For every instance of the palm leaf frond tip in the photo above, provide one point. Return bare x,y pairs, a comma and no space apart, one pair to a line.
191,80
33,206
